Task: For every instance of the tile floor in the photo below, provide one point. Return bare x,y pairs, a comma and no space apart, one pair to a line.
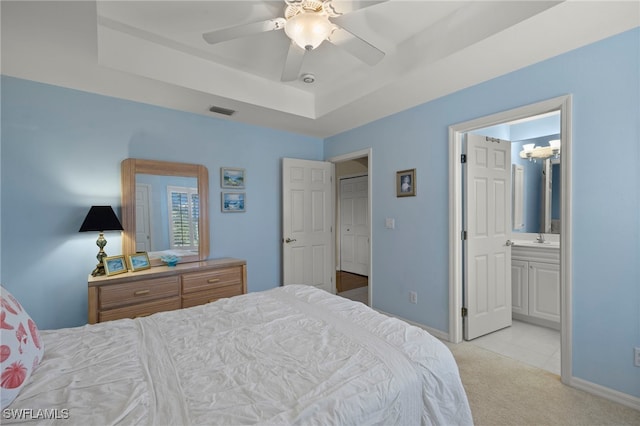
528,343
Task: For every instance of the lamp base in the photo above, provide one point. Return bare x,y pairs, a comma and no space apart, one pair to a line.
99,270
100,256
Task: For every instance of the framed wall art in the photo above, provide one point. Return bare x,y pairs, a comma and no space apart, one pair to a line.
231,177
115,265
406,183
233,202
139,261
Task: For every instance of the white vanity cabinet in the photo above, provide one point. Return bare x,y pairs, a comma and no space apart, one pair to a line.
535,284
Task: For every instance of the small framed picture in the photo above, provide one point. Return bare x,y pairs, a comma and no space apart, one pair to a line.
232,178
233,202
139,261
406,183
115,265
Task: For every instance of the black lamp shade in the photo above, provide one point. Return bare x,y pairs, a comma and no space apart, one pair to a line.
101,218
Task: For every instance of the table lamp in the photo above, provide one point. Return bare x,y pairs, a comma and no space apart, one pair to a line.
101,219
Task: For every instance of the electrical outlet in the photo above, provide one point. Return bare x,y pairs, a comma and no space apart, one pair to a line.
413,297
636,357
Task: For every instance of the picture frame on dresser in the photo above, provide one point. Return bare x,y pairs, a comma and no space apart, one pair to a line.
139,261
114,265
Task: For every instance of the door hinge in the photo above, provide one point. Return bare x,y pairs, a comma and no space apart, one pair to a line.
464,312
463,158
463,237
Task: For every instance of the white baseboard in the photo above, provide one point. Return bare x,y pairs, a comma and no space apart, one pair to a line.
435,333
607,393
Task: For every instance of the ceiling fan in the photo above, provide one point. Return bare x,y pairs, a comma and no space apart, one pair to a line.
308,23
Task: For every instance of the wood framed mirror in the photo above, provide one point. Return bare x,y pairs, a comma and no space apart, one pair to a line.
152,191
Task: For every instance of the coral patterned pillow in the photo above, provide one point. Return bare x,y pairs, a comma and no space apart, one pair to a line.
21,348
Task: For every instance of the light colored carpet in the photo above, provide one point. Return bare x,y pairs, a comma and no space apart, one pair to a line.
503,391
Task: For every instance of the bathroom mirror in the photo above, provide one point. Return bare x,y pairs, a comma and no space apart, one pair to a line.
165,209
536,195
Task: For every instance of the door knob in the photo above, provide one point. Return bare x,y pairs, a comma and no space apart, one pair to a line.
289,240
509,243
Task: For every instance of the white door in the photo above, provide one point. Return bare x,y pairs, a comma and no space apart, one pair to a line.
307,223
487,250
143,217
354,225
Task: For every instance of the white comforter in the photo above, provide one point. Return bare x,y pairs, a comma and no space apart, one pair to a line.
291,355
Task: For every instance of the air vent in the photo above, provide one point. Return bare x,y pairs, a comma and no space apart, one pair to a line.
220,110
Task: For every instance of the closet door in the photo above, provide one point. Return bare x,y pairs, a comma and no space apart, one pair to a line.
354,225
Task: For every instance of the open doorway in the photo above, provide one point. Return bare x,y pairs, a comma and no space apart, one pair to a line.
532,212
353,225
457,261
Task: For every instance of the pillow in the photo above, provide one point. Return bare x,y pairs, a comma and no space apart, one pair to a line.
21,348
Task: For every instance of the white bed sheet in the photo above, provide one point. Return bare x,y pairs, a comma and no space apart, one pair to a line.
291,355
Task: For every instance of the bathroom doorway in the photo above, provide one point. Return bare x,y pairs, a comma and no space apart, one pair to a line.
532,335
457,261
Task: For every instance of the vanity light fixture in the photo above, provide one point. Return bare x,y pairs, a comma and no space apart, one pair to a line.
532,152
101,219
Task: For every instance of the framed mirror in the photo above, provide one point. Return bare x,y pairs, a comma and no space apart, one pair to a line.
165,209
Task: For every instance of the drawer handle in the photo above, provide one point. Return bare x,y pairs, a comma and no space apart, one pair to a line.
213,280
141,292
146,314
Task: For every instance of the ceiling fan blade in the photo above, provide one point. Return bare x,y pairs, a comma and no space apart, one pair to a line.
293,64
358,47
225,34
342,7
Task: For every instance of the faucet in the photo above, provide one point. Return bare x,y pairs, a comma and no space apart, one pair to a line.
540,238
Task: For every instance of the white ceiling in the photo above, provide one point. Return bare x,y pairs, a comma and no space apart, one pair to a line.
153,51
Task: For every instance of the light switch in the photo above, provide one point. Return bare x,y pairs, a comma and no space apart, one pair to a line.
390,223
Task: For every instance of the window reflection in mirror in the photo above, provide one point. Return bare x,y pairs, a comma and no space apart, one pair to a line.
167,213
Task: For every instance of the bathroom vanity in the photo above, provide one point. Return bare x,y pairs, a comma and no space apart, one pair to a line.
535,282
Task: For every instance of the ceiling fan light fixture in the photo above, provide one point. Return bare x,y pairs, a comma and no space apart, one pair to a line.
308,29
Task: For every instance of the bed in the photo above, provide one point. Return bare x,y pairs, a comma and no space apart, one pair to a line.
290,355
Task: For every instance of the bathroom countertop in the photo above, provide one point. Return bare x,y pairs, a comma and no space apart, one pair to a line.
535,244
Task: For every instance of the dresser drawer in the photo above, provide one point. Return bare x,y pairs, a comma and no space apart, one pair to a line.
140,310
210,280
202,297
130,293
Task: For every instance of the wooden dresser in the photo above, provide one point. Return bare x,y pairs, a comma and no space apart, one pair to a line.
161,288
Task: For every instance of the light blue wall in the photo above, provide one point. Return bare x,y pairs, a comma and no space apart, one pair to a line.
603,78
61,153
